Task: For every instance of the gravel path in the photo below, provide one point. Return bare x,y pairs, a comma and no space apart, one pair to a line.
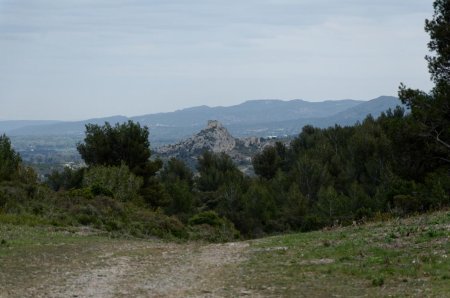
140,269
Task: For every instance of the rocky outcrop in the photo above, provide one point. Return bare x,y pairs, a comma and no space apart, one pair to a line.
215,137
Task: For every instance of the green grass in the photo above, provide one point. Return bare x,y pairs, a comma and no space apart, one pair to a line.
397,258
29,255
15,238
403,257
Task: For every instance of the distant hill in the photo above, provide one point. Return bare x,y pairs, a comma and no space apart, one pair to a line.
248,112
10,125
291,127
374,107
252,118
56,127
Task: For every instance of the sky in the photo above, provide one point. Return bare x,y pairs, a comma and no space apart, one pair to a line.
80,59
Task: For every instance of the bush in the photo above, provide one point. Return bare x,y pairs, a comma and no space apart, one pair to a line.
150,223
211,227
15,197
405,204
117,182
207,217
67,179
436,189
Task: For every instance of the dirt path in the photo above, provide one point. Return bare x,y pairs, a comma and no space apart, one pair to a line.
141,269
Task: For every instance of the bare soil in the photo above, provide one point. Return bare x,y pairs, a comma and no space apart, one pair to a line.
128,269
406,257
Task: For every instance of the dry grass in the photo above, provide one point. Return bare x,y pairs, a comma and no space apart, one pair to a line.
400,258
405,257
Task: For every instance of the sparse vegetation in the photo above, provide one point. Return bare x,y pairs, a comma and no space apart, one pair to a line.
398,257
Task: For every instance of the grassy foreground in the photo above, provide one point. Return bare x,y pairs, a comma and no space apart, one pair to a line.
397,258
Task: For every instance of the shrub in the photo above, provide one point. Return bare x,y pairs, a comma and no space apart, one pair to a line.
66,179
207,217
211,227
115,181
407,204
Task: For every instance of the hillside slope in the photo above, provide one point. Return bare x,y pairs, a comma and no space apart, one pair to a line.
401,258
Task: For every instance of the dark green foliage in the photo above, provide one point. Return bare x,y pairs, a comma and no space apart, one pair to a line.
439,30
178,182
342,174
294,208
176,170
405,204
21,205
410,152
114,181
208,217
259,210
154,193
436,189
127,144
9,160
65,180
124,143
216,170
99,190
270,160
221,187
431,112
210,226
181,198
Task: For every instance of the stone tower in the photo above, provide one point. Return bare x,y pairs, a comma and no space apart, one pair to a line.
214,124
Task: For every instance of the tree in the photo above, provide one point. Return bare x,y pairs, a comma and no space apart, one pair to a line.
439,30
267,163
259,209
215,170
124,143
176,170
431,112
178,181
9,159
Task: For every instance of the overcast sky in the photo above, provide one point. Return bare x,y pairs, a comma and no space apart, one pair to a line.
78,59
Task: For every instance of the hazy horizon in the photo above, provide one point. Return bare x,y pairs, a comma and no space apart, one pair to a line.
77,60
192,107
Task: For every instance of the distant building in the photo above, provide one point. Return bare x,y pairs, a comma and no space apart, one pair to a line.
214,124
271,137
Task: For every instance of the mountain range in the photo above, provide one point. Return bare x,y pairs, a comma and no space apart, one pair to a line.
251,118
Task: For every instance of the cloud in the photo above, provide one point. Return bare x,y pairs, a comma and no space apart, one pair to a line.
97,50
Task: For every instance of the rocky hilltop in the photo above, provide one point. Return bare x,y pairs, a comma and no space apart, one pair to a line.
216,138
